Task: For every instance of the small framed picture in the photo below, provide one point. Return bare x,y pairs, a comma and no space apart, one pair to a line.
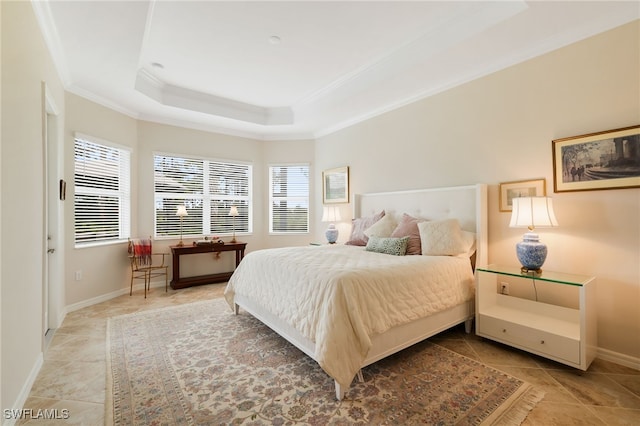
522,188
335,185
603,160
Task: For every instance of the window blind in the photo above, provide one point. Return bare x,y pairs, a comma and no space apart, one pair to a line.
289,199
102,201
208,189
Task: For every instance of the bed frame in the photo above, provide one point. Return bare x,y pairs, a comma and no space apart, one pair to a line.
468,204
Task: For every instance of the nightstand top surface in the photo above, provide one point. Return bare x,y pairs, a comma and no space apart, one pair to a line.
549,276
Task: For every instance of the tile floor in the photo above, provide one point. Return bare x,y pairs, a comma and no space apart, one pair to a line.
73,374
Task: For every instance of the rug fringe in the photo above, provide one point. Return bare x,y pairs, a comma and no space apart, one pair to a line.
517,408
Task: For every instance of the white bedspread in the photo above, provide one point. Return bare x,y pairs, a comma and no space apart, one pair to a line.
339,296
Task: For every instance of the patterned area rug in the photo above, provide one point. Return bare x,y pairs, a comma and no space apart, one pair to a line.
198,364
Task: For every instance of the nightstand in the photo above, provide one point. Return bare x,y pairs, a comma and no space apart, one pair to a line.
561,333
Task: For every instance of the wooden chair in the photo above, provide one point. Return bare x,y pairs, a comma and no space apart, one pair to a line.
141,257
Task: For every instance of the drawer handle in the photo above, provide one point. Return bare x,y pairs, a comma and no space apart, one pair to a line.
504,330
542,342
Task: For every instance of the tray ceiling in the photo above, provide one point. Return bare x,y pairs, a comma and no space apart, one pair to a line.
288,70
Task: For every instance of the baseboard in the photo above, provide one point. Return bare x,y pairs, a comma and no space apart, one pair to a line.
96,300
618,358
15,413
112,295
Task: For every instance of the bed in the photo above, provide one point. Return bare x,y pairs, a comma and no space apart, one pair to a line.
347,307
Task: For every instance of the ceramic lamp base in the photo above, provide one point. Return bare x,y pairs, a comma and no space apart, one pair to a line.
531,252
331,234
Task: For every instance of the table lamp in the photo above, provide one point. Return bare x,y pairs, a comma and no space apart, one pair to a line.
531,213
181,213
331,214
233,212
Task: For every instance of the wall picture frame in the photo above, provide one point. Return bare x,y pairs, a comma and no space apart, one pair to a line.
521,188
602,160
335,185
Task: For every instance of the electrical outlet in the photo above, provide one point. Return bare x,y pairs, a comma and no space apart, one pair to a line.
78,275
504,288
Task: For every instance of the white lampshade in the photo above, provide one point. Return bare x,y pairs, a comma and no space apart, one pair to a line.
532,212
330,214
182,211
233,211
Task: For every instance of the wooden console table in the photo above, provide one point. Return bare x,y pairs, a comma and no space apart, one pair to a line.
178,282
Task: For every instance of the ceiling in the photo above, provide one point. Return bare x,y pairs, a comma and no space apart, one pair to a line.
297,69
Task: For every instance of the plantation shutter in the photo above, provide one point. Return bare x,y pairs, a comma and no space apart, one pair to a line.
178,181
289,199
207,189
229,186
102,194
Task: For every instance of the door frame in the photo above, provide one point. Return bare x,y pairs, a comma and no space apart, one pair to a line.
53,215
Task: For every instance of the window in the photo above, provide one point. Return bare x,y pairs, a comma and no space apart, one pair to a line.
102,203
208,189
289,199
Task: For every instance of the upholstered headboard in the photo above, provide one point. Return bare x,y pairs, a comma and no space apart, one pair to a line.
468,204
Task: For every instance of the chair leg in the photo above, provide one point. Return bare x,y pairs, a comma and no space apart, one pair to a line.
131,287
166,280
146,279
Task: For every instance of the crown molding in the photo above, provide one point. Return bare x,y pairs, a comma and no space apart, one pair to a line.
52,39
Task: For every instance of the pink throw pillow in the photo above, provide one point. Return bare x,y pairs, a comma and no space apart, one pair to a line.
408,227
358,226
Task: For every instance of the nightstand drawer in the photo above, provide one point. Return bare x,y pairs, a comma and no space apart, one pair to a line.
528,338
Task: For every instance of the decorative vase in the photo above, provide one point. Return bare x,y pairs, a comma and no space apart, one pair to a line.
331,234
531,252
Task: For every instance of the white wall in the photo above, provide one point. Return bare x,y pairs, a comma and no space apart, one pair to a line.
499,129
26,64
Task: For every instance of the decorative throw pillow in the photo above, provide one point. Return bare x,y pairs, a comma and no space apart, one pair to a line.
408,227
394,246
382,228
468,242
441,238
358,226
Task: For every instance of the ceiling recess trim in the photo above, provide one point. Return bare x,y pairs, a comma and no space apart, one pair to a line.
180,97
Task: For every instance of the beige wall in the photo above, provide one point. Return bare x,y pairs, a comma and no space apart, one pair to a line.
90,119
146,138
1,401
26,64
155,137
492,130
283,152
499,129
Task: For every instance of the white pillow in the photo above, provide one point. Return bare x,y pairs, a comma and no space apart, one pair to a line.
441,238
382,228
469,243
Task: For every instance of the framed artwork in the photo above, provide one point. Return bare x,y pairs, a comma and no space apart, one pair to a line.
335,185
521,188
603,160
